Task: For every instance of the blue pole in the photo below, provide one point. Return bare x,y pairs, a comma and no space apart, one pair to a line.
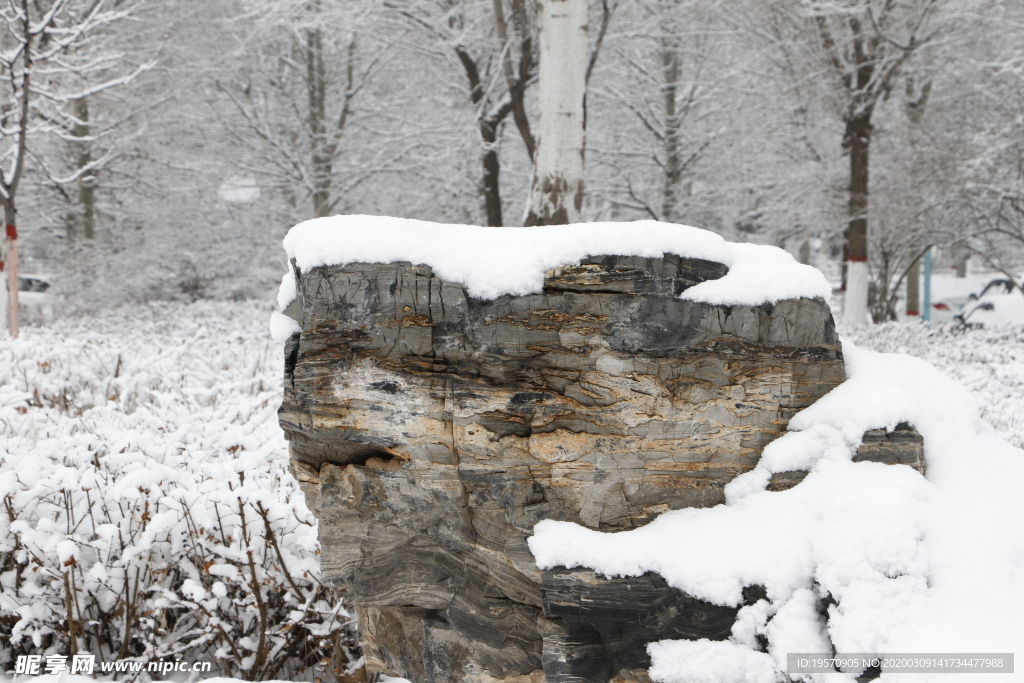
927,313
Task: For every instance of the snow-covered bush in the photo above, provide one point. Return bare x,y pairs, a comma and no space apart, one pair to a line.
148,512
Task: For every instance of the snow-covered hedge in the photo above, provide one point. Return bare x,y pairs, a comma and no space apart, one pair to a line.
148,511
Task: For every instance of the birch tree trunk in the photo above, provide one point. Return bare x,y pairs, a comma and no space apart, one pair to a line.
557,195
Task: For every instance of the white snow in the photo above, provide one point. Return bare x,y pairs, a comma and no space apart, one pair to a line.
988,362
286,293
282,327
491,262
916,564
709,661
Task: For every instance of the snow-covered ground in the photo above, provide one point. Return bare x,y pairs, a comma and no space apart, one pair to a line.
144,477
989,363
147,418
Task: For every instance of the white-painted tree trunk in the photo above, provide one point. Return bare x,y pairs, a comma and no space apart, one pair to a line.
557,195
11,266
4,323
855,303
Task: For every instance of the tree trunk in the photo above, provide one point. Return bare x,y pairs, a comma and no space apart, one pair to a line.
322,156
11,266
858,140
673,170
492,171
914,288
87,183
805,252
961,265
488,137
517,81
557,196
915,106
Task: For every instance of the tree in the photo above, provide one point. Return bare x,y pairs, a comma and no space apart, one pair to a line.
294,92
50,54
866,42
518,75
557,194
990,194
491,42
666,95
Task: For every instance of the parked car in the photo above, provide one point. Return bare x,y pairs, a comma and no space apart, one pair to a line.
33,294
1001,302
951,293
947,310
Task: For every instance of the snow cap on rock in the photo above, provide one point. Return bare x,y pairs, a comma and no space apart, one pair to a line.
491,262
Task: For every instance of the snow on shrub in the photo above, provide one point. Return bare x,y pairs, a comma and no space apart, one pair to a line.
148,512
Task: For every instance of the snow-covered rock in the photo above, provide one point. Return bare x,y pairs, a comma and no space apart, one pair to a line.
449,387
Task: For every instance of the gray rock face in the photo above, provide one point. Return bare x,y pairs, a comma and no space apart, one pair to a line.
902,446
431,431
604,625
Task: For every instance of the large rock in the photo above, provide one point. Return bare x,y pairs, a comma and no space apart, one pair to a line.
431,432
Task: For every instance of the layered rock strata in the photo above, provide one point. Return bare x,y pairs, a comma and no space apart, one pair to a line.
431,431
